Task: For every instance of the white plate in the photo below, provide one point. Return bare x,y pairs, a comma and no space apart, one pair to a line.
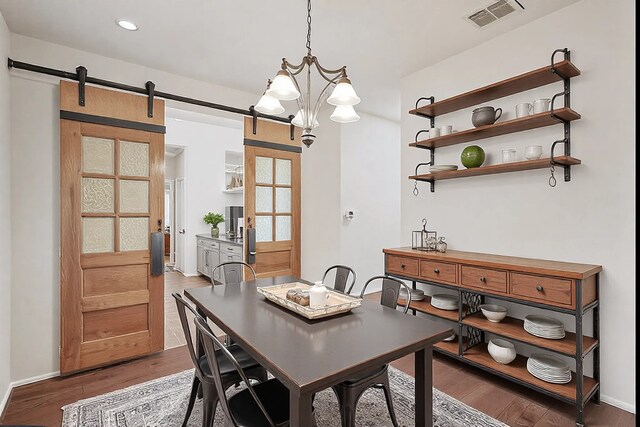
544,322
549,361
451,338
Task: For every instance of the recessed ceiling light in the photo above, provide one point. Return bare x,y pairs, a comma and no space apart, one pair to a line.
127,25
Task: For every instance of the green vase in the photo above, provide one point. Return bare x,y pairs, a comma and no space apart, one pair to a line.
472,157
215,232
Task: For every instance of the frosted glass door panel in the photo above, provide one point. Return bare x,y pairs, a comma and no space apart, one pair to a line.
283,200
283,228
98,195
97,155
134,196
264,170
283,172
264,228
134,159
134,234
264,199
97,235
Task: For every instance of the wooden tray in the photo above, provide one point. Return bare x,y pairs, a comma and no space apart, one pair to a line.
337,302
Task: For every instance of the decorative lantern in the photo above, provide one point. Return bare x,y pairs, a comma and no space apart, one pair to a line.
424,240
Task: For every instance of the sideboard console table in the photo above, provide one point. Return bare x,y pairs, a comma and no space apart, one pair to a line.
561,287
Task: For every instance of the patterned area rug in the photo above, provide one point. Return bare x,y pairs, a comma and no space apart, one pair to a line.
163,402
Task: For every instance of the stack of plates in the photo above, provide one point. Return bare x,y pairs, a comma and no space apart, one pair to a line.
549,368
416,294
442,168
544,327
445,302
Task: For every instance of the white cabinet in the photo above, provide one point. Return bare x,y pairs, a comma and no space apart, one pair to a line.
212,253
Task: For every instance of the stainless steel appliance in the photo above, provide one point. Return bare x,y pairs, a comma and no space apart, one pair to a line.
233,221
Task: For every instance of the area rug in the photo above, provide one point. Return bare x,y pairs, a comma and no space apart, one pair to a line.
163,403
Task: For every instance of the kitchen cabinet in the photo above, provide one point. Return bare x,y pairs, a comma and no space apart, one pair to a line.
214,251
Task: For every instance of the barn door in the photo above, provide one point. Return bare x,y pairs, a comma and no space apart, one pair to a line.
272,196
111,201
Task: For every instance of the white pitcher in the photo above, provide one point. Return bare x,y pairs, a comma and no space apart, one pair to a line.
318,295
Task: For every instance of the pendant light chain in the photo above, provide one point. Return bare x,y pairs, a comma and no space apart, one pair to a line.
309,27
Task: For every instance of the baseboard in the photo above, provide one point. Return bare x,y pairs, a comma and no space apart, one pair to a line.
5,400
34,379
618,404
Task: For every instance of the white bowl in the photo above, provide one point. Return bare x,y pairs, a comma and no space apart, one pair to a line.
502,351
493,312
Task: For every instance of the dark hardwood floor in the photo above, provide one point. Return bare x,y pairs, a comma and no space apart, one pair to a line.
40,403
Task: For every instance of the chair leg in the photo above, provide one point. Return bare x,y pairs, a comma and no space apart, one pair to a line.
209,404
195,386
348,401
387,395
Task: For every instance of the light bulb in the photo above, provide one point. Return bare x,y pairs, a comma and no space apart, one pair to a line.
283,88
344,114
343,94
269,105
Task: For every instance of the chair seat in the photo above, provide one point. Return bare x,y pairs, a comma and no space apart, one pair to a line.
365,377
275,399
226,367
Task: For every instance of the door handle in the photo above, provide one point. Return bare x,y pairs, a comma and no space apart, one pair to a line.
251,246
182,231
157,253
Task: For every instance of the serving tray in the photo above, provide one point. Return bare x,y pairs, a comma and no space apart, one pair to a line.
337,302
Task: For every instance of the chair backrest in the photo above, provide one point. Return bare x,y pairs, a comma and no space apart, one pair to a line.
342,277
213,348
390,291
232,272
183,306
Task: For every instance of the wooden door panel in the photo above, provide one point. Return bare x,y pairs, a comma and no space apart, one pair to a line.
272,167
112,199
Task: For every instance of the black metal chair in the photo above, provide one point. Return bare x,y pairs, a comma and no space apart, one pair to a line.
263,404
232,273
350,391
203,384
341,278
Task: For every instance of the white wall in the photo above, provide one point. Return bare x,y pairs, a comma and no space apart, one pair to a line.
370,183
590,219
5,224
169,166
204,147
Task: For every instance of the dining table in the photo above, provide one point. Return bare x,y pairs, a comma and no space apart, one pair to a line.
308,356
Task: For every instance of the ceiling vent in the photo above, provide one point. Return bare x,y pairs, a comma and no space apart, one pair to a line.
493,12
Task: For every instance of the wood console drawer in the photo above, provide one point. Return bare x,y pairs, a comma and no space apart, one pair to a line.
438,271
402,265
484,278
544,289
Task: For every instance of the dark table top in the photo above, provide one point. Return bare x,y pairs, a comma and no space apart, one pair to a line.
312,354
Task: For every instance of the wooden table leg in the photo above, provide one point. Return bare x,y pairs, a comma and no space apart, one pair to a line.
300,412
424,387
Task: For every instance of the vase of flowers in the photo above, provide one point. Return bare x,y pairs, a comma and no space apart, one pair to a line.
213,219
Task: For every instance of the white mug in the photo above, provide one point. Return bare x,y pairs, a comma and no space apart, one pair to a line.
434,132
446,130
523,110
508,155
533,152
541,105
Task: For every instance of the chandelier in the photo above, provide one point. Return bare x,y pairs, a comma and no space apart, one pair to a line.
285,87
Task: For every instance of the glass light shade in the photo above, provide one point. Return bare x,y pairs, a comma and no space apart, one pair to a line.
269,105
297,121
343,94
344,114
283,88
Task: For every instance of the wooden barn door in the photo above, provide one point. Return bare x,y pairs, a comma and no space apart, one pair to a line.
111,201
272,196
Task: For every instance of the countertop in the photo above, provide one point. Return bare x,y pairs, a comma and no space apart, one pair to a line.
222,238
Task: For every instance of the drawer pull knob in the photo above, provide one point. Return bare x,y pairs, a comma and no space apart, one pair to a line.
539,288
435,270
401,265
483,279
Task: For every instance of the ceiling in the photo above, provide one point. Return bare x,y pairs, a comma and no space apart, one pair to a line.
240,44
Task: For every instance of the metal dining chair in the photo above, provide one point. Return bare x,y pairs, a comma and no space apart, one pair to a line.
341,278
232,273
350,391
262,404
203,383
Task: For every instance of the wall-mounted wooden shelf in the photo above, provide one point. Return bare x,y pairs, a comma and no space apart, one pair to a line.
236,190
536,78
518,370
501,128
495,169
513,328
